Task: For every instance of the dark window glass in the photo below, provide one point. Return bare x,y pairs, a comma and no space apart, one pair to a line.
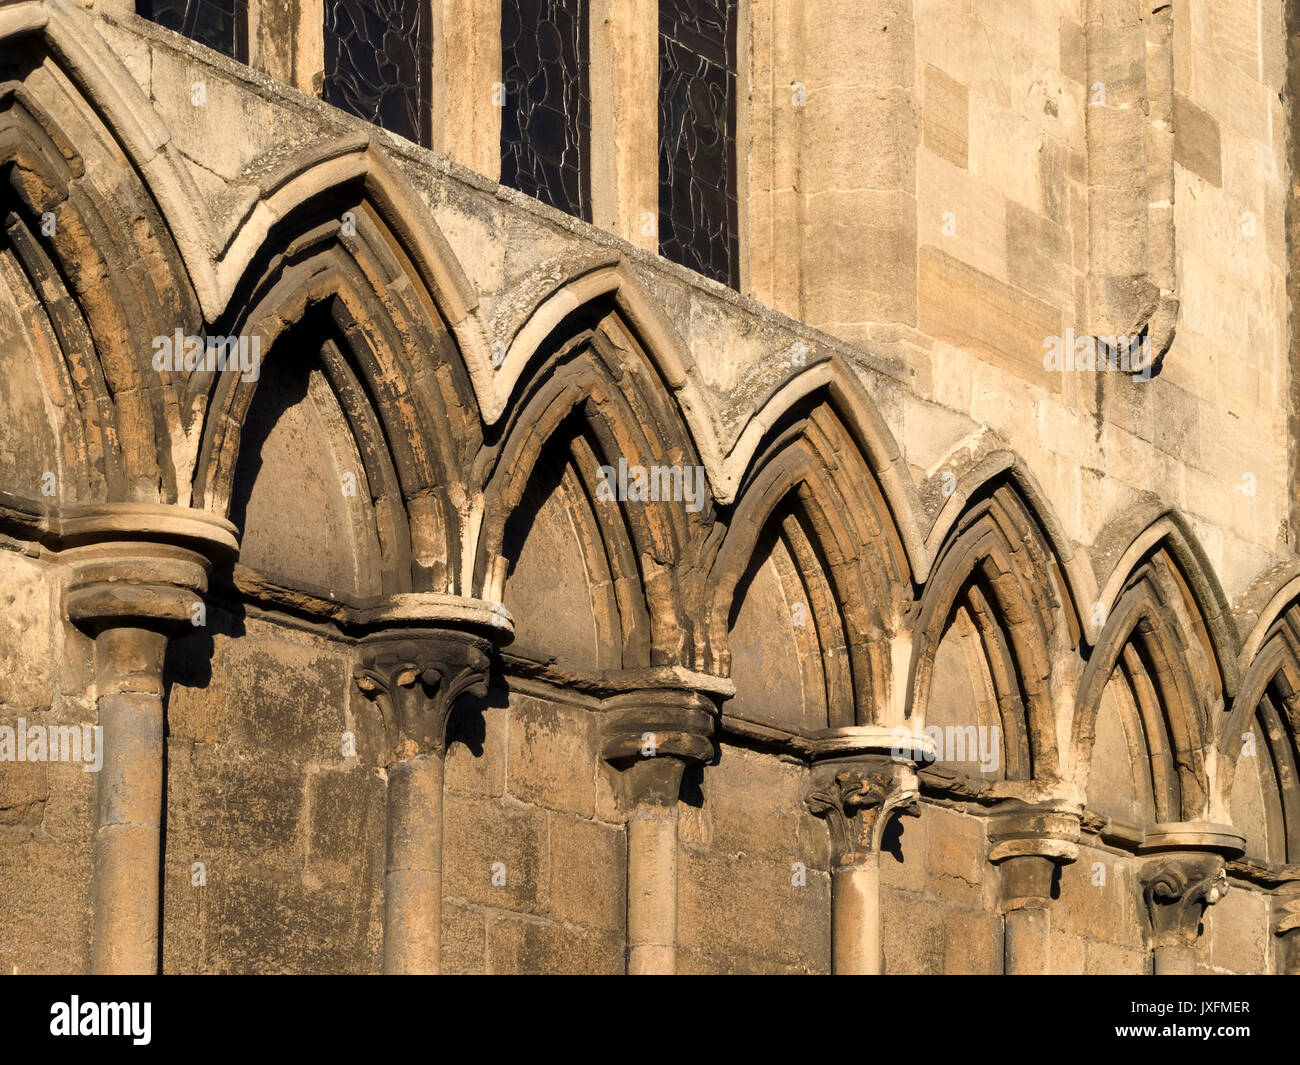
697,136
222,25
379,62
546,122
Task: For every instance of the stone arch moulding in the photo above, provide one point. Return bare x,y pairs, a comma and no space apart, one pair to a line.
593,380
612,282
804,489
311,176
122,106
998,567
118,281
1269,702
1132,535
350,293
215,271
871,436
1002,465
1168,631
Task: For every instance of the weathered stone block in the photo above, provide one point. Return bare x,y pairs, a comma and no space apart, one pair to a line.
991,319
911,933
528,945
1099,898
233,806
1196,140
957,856
588,863
754,805
946,116
284,698
46,887
259,924
464,938
1106,959
1038,255
972,943
553,755
723,896
477,765
485,839
26,633
347,826
961,216
1237,931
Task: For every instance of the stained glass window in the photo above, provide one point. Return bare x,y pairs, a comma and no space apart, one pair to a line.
379,63
222,25
546,122
697,136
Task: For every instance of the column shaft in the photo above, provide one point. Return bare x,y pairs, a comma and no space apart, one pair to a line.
652,890
128,821
870,779
855,918
1026,941
413,874
411,677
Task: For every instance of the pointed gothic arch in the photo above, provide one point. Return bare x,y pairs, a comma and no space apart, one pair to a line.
1258,750
998,622
594,387
333,296
94,276
1166,666
812,514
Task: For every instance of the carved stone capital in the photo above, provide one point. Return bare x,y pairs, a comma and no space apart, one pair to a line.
650,737
857,798
1177,888
139,565
1028,843
414,678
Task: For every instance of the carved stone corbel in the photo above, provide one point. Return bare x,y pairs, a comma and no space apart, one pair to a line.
1129,131
1177,890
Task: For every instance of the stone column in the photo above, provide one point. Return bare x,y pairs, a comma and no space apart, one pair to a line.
1028,843
414,676
129,595
867,779
1184,877
650,738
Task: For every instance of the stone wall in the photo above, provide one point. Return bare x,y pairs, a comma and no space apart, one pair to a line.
468,713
